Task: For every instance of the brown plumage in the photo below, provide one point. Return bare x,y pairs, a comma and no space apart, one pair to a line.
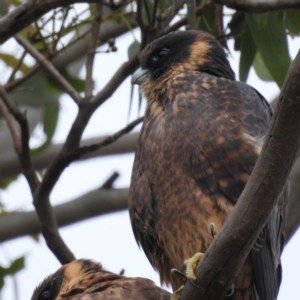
85,279
201,137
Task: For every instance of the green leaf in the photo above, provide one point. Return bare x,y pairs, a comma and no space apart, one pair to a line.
77,83
268,33
236,26
191,15
12,61
248,51
207,21
133,49
15,2
35,91
293,22
261,69
15,267
50,119
4,183
147,7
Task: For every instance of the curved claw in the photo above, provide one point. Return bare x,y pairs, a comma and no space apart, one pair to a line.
230,292
192,282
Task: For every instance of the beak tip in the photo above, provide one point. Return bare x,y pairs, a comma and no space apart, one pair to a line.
139,76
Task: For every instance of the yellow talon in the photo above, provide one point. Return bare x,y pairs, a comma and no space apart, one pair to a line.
191,265
176,295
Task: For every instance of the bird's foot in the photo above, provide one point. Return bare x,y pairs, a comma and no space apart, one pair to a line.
230,292
191,265
176,295
213,230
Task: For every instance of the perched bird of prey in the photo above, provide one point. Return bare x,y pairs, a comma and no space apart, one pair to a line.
85,279
202,134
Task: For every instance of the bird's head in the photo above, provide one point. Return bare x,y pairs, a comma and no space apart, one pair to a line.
179,52
65,278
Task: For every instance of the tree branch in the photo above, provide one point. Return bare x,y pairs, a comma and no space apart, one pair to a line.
47,65
92,204
223,259
183,21
110,139
10,167
124,71
92,51
11,126
261,6
23,152
28,12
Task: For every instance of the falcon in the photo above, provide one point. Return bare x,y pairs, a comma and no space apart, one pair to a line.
202,134
85,279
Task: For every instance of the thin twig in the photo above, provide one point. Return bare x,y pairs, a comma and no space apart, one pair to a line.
110,181
24,153
47,65
110,139
147,11
199,11
139,16
11,126
91,51
16,68
154,13
123,72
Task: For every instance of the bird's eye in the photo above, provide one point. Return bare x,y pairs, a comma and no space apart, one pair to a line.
163,52
45,295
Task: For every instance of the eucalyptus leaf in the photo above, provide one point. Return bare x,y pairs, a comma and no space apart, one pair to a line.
293,22
35,92
248,51
133,49
12,62
50,119
268,33
261,69
4,183
207,21
16,266
236,26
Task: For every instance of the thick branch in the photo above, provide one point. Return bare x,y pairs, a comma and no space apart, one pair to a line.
92,204
10,167
225,256
255,6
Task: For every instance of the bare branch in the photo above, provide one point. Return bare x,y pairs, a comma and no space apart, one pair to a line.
10,124
48,66
255,6
228,251
199,11
124,71
92,204
110,139
110,181
30,11
92,51
10,167
24,150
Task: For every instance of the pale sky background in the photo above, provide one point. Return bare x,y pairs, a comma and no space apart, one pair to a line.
109,239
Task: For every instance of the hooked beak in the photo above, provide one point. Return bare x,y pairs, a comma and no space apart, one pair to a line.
139,76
